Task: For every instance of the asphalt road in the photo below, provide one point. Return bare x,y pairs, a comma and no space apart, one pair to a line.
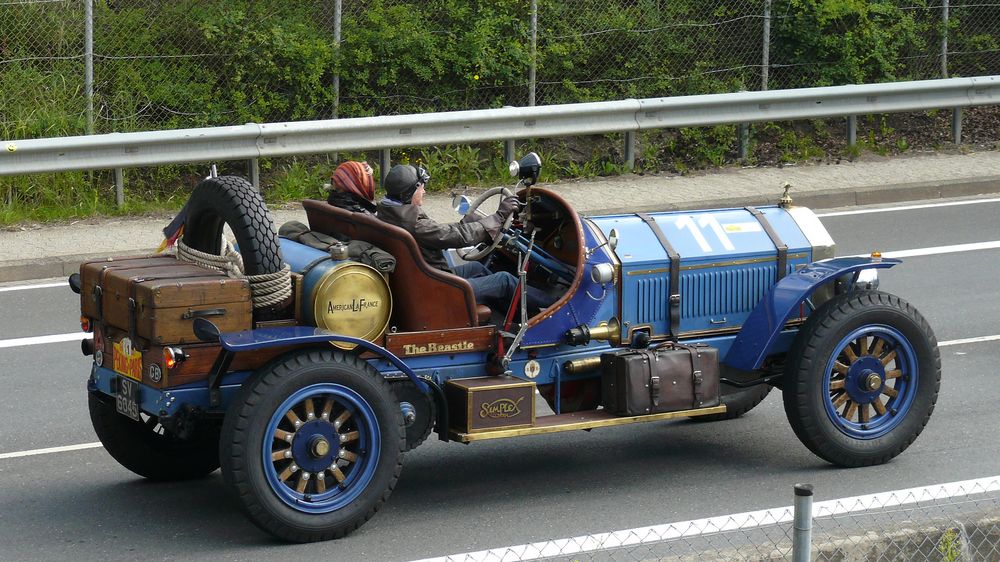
455,498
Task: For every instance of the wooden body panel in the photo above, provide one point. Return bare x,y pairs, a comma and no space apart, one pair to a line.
441,342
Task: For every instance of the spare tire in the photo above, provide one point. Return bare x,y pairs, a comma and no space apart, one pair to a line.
232,200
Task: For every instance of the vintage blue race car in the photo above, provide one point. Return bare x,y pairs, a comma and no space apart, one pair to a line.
348,356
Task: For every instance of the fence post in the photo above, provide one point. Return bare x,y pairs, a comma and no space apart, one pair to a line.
508,151
765,62
88,62
802,526
744,142
254,167
384,162
956,125
337,9
534,52
119,187
944,39
630,150
852,130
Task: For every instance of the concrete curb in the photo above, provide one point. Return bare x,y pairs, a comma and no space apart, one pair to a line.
64,266
832,198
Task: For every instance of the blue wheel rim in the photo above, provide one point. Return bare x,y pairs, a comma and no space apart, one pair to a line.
870,382
307,475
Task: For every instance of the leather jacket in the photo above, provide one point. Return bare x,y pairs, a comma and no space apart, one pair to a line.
432,236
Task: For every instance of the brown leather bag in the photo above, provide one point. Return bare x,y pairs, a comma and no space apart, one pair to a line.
664,378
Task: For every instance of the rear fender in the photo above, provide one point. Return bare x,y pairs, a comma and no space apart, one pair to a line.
761,329
298,335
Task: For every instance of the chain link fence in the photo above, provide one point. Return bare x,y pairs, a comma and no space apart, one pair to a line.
950,522
192,63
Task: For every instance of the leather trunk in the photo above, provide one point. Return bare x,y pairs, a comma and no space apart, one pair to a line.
92,274
667,378
158,300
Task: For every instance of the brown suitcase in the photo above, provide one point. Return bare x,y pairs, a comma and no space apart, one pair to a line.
666,378
158,302
92,273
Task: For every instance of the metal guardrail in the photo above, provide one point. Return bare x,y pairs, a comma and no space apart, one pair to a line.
125,150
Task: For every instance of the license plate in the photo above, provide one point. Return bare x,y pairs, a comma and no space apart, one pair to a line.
127,360
127,398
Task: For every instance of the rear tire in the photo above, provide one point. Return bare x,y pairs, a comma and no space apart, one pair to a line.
425,409
312,445
851,353
146,450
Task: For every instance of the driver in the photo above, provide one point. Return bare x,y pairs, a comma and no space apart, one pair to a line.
404,190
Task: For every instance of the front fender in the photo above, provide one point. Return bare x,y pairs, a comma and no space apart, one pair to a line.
762,327
298,335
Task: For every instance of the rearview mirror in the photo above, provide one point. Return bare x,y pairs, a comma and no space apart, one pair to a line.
461,204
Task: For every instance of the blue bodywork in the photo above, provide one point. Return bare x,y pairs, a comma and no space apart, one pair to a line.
756,338
731,299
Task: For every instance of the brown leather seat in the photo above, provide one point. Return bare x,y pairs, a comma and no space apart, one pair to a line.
424,298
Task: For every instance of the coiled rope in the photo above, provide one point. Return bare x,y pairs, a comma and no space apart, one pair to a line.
266,289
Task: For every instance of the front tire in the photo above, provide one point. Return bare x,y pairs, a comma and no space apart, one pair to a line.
148,450
862,379
738,401
312,445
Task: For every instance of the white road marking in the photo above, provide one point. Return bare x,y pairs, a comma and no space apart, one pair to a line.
49,450
968,340
906,208
936,250
37,340
723,523
63,284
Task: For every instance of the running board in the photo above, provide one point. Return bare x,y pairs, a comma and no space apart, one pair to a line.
580,420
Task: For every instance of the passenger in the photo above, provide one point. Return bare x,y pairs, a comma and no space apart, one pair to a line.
353,188
404,187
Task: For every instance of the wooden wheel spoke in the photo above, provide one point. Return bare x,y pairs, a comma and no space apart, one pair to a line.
350,436
851,409
289,470
879,406
327,408
840,367
837,385
840,400
348,456
303,482
894,374
281,455
337,474
282,435
889,357
291,416
863,345
320,482
849,352
342,418
310,411
879,344
889,391
863,416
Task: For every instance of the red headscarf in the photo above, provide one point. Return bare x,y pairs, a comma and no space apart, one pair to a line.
356,178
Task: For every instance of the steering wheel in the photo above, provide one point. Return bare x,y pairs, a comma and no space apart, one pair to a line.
485,248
